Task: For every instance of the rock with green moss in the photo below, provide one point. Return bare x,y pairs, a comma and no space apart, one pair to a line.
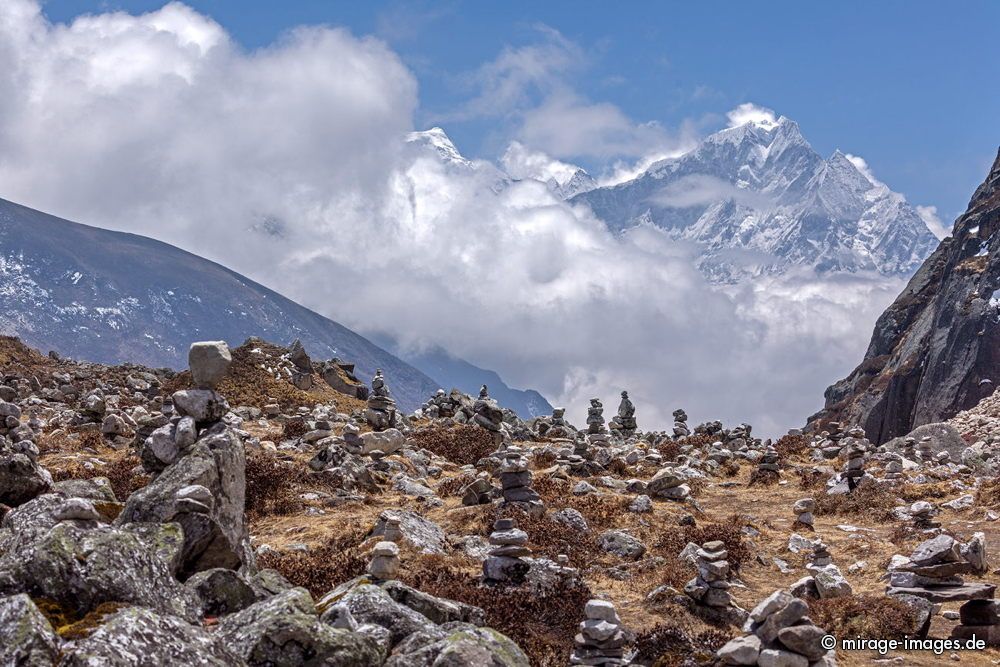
81,566
458,645
284,631
221,591
137,636
26,638
215,532
371,607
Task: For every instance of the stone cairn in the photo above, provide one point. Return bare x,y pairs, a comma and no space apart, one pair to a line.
515,480
820,554
925,449
768,466
601,640
488,415
597,432
681,429
854,469
381,413
504,564
780,633
557,425
384,564
893,467
933,572
803,509
393,531
710,588
910,448
624,423
922,513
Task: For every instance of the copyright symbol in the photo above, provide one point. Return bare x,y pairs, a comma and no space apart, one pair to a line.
828,642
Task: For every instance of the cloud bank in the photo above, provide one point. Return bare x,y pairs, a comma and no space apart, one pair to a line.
288,164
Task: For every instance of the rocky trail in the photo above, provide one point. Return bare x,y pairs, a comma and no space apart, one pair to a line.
262,508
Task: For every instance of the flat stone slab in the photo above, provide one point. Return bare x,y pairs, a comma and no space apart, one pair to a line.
949,593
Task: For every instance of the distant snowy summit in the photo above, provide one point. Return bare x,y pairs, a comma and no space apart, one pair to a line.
759,199
756,198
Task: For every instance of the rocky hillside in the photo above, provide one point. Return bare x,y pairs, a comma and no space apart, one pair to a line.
759,199
936,349
239,514
111,297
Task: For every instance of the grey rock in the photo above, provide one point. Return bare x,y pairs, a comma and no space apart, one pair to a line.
422,533
202,405
221,591
26,638
136,637
458,645
209,362
572,518
621,544
804,639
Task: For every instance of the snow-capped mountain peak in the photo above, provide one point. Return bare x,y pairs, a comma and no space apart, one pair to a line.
759,186
437,140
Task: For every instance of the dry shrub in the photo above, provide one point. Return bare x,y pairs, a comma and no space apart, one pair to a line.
930,491
867,616
988,494
730,469
674,538
126,476
547,537
463,444
600,510
618,467
542,623
810,478
323,568
763,478
271,486
453,485
671,449
69,624
678,643
869,500
543,459
293,428
789,445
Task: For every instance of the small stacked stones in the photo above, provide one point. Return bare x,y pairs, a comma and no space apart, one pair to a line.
581,449
854,469
381,413
600,640
780,634
711,586
515,479
925,449
352,438
909,448
893,466
625,422
769,461
803,509
681,429
504,564
597,432
820,554
488,414
392,532
932,570
385,560
922,513
557,425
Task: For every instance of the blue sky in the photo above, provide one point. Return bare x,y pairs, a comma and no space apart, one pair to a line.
909,86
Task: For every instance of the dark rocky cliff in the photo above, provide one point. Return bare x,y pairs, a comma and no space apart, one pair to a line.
936,349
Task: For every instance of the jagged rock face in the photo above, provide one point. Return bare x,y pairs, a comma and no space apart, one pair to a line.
936,349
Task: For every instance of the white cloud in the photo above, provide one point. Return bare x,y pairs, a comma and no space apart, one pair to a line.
751,113
702,190
521,162
862,165
160,124
929,214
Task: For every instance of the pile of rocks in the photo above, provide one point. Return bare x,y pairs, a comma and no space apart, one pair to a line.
624,424
302,369
601,640
922,514
854,469
893,468
710,587
488,415
515,481
478,492
384,564
780,633
803,509
443,405
768,464
504,564
381,412
597,432
668,484
681,429
933,570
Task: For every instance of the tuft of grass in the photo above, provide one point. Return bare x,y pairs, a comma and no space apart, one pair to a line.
678,642
271,486
866,616
320,569
869,500
464,444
